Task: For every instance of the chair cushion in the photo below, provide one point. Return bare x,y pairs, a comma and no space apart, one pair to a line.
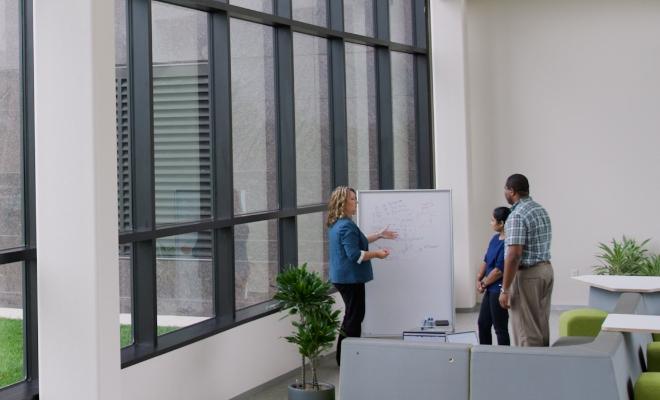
581,322
653,357
647,386
656,337
572,340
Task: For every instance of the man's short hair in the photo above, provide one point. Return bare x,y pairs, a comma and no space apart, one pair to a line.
518,183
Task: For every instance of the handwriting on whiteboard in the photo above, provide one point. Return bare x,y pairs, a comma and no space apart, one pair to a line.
416,225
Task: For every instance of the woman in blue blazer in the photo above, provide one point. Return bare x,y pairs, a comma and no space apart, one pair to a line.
350,265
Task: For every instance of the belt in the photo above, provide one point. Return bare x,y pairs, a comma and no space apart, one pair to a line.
532,265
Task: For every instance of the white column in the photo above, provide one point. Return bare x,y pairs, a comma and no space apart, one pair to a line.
451,133
76,190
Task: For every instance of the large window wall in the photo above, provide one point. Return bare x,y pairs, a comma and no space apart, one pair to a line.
18,334
235,120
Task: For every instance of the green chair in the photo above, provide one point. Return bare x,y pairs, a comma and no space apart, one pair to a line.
581,322
653,357
647,386
656,337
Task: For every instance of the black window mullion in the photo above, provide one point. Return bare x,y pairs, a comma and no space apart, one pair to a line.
337,74
419,23
423,123
384,96
30,349
142,163
288,239
222,159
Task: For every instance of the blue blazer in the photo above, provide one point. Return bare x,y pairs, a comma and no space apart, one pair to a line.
346,242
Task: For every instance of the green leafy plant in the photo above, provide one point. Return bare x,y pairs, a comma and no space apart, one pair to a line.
306,297
626,257
651,267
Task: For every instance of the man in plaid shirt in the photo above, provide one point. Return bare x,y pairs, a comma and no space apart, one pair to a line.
528,274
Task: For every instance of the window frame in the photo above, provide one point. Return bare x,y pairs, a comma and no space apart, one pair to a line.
27,254
145,232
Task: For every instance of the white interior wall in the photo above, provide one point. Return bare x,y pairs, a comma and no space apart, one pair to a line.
565,92
76,200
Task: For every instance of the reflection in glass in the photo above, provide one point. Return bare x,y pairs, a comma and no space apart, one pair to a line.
181,114
313,243
310,11
184,281
313,152
125,294
12,329
11,144
259,5
123,119
254,126
362,126
403,121
256,255
359,17
401,21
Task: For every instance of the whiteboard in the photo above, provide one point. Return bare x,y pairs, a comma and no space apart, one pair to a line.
416,281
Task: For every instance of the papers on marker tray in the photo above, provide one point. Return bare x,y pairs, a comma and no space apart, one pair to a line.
440,336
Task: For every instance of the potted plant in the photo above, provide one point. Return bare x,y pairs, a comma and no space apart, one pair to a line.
626,257
305,296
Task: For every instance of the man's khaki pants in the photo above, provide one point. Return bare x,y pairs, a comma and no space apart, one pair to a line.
530,305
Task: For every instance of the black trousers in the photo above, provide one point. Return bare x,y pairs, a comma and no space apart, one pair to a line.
351,326
492,314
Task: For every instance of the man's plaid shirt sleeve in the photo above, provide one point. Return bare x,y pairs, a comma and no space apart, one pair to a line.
515,231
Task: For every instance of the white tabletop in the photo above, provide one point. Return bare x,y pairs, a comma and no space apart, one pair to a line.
632,323
619,283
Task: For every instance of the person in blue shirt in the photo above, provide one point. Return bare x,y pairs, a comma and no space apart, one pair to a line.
489,282
350,265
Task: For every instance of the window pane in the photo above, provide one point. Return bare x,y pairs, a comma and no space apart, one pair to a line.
253,117
184,281
359,17
123,119
313,152
126,294
256,255
181,114
310,11
259,5
313,242
12,329
361,117
403,121
11,144
401,21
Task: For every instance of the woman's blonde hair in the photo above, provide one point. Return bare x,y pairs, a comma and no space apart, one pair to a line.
337,204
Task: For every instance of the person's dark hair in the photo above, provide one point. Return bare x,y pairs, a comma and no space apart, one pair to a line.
518,183
501,214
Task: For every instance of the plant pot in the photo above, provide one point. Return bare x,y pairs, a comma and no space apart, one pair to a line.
326,392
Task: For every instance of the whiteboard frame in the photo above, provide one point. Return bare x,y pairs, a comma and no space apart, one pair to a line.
451,327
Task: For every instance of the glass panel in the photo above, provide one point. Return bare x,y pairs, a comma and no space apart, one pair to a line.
11,144
361,117
359,17
256,255
12,330
126,294
403,121
313,242
181,114
123,119
184,281
401,21
259,5
313,151
254,122
311,11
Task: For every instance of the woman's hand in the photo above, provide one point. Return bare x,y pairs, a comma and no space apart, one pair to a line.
480,286
382,253
385,233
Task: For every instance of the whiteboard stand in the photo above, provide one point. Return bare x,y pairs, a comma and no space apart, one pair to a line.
416,281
